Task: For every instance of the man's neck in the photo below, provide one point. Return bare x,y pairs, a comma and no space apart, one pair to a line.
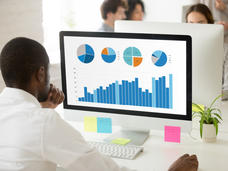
109,23
28,89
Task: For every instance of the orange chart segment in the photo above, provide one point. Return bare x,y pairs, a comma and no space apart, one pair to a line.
137,61
105,51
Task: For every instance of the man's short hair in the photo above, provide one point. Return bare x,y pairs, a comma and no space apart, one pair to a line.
111,6
20,59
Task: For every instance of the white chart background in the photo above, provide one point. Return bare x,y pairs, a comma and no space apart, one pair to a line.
99,73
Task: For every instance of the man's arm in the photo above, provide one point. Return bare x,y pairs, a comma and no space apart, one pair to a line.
64,145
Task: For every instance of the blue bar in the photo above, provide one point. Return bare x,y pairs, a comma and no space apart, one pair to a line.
101,95
79,99
137,91
140,97
85,94
153,93
98,95
104,96
117,93
127,94
91,98
121,94
95,95
150,99
83,99
133,93
167,97
157,95
163,91
147,97
113,93
160,92
107,93
110,94
170,91
130,93
144,98
88,97
124,92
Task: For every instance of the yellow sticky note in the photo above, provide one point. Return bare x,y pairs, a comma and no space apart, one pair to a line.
90,124
195,109
121,141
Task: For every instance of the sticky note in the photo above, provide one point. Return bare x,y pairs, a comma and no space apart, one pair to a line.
172,134
90,124
121,141
104,125
195,109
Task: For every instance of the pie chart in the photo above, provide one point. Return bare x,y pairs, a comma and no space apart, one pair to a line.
108,55
159,58
85,53
132,56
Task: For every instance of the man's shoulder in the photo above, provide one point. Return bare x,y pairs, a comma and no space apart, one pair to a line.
48,113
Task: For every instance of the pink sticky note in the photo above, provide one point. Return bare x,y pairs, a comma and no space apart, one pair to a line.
172,134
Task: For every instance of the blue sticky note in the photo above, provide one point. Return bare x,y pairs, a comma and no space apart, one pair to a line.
104,125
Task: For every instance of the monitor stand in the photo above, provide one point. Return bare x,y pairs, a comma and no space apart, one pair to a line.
137,137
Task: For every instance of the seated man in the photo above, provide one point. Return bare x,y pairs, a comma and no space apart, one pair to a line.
112,10
36,138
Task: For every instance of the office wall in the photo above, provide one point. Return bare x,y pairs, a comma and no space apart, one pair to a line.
20,18
165,10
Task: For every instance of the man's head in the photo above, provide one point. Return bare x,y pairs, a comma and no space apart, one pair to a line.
112,10
24,64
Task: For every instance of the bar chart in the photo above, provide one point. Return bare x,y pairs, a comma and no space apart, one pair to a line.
129,93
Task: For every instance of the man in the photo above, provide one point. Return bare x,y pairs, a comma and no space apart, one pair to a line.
112,10
35,138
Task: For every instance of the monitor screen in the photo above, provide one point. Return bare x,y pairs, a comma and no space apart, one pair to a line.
126,73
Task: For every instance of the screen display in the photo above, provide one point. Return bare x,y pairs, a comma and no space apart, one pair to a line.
147,75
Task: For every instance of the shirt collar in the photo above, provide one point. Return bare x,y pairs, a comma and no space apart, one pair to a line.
19,94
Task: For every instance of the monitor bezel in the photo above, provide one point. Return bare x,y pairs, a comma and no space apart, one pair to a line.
186,38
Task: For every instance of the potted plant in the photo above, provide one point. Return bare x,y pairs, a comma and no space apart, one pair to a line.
210,117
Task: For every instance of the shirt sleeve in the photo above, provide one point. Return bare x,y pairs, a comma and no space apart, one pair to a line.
63,145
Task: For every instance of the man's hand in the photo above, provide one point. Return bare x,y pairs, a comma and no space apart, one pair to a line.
219,4
185,163
55,97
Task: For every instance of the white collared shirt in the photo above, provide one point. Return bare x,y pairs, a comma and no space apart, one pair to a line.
37,139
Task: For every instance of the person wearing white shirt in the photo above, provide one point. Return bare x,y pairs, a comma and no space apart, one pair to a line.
33,136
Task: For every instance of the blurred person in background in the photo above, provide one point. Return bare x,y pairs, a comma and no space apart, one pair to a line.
112,10
200,13
136,10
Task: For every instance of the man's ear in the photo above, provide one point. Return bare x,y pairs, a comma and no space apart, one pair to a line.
109,15
40,74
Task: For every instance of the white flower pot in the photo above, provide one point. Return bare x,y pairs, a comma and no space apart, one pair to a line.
209,133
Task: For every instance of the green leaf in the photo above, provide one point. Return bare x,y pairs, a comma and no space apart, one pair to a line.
216,109
197,108
215,100
201,127
216,114
216,125
196,115
217,120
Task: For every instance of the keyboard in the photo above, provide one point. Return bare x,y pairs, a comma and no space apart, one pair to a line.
118,151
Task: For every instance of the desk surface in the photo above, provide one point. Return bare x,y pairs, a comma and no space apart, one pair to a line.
158,155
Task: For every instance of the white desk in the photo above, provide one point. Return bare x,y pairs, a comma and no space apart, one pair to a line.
158,155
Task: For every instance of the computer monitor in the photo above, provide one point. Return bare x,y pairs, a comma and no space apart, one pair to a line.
141,81
207,53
